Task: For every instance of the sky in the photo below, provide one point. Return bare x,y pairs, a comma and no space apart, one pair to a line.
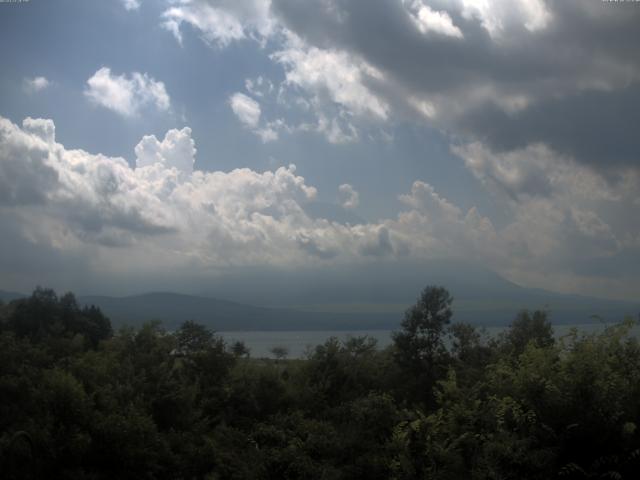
152,144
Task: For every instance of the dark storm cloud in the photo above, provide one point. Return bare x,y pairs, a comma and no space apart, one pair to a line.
599,128
576,77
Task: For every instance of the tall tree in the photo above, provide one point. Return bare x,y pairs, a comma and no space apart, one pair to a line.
419,346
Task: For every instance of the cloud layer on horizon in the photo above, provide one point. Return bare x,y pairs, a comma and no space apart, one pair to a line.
162,214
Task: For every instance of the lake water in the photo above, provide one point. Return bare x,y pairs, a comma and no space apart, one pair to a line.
299,342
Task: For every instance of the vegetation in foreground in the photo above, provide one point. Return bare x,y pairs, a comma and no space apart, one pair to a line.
79,401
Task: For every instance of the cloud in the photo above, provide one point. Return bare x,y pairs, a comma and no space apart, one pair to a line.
539,171
423,197
379,245
25,177
259,87
131,4
500,17
249,112
36,84
430,21
334,74
510,73
126,95
220,22
349,196
564,214
177,150
102,215
246,109
267,134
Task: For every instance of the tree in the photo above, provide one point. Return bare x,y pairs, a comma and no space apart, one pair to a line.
469,353
280,352
194,338
527,328
419,347
44,315
240,349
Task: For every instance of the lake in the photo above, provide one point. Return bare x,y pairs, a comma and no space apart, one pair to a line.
299,342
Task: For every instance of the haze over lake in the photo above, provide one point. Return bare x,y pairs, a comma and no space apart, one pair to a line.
299,344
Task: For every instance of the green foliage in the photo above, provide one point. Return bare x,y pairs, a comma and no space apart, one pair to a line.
419,346
527,328
78,401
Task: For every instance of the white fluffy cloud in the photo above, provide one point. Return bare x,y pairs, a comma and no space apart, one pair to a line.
220,22
432,21
162,214
162,211
249,112
126,95
500,16
246,109
349,197
177,150
36,84
335,74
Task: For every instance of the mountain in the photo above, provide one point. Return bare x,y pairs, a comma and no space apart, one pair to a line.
6,297
361,297
481,296
173,309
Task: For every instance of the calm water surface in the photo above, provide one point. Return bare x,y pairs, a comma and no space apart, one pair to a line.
299,342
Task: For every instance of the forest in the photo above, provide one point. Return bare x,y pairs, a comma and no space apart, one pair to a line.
81,401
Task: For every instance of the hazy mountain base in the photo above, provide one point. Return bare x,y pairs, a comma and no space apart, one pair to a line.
360,297
81,402
221,315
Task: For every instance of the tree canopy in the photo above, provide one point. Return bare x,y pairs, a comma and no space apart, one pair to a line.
442,402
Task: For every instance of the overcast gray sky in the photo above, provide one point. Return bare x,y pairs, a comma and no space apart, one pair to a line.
172,139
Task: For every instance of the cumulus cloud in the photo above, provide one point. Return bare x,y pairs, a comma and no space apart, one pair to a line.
350,198
177,150
25,177
162,212
424,198
126,95
100,212
36,84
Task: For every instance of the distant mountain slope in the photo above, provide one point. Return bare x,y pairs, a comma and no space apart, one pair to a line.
481,296
8,296
173,309
365,297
